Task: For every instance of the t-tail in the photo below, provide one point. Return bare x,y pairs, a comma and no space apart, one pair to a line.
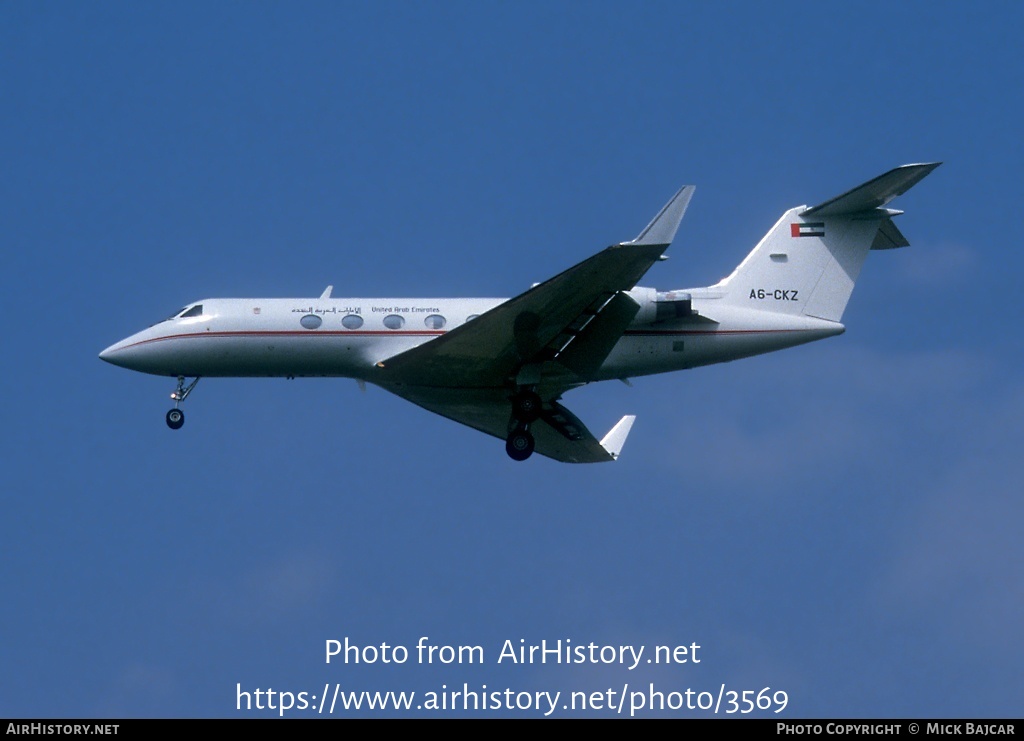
808,263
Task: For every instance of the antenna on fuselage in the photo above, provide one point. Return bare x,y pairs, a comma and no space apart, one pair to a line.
327,292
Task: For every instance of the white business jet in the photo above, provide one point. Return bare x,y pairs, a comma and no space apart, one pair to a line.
502,365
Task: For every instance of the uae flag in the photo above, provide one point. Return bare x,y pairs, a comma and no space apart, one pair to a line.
811,229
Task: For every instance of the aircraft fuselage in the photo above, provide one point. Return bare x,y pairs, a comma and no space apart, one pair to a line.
339,337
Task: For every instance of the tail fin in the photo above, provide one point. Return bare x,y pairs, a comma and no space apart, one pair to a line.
810,260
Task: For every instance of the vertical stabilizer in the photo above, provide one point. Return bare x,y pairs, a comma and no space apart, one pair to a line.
803,266
809,261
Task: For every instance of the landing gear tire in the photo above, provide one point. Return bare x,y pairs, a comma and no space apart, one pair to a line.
520,445
175,419
526,406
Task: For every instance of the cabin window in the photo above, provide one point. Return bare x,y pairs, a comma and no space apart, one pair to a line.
434,321
352,321
393,321
196,310
471,317
311,321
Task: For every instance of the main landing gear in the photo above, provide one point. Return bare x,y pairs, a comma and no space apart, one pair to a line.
176,417
520,443
526,408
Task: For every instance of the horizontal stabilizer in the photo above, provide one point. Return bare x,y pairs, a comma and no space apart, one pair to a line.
662,229
874,193
616,437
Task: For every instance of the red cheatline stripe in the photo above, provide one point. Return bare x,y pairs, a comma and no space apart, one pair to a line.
435,333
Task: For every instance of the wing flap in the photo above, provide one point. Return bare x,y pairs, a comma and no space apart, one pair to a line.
587,349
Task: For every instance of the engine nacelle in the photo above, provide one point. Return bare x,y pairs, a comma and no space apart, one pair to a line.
661,306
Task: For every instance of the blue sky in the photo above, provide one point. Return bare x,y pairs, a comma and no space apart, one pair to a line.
840,521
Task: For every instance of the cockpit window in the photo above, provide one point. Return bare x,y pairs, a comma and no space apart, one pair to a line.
196,310
184,311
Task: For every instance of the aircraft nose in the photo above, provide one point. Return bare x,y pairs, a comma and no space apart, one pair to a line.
114,354
142,352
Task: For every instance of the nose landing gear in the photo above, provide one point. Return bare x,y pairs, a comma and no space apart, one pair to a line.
176,417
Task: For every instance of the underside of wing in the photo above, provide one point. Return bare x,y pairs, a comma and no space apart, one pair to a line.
558,433
538,325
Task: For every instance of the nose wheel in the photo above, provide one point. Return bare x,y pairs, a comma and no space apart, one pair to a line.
176,417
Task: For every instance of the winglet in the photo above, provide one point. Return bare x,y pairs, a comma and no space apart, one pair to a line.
616,437
662,229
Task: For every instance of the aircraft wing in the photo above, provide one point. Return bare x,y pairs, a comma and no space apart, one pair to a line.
558,433
541,323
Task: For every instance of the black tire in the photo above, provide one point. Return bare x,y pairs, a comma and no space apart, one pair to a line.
526,406
520,445
175,419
